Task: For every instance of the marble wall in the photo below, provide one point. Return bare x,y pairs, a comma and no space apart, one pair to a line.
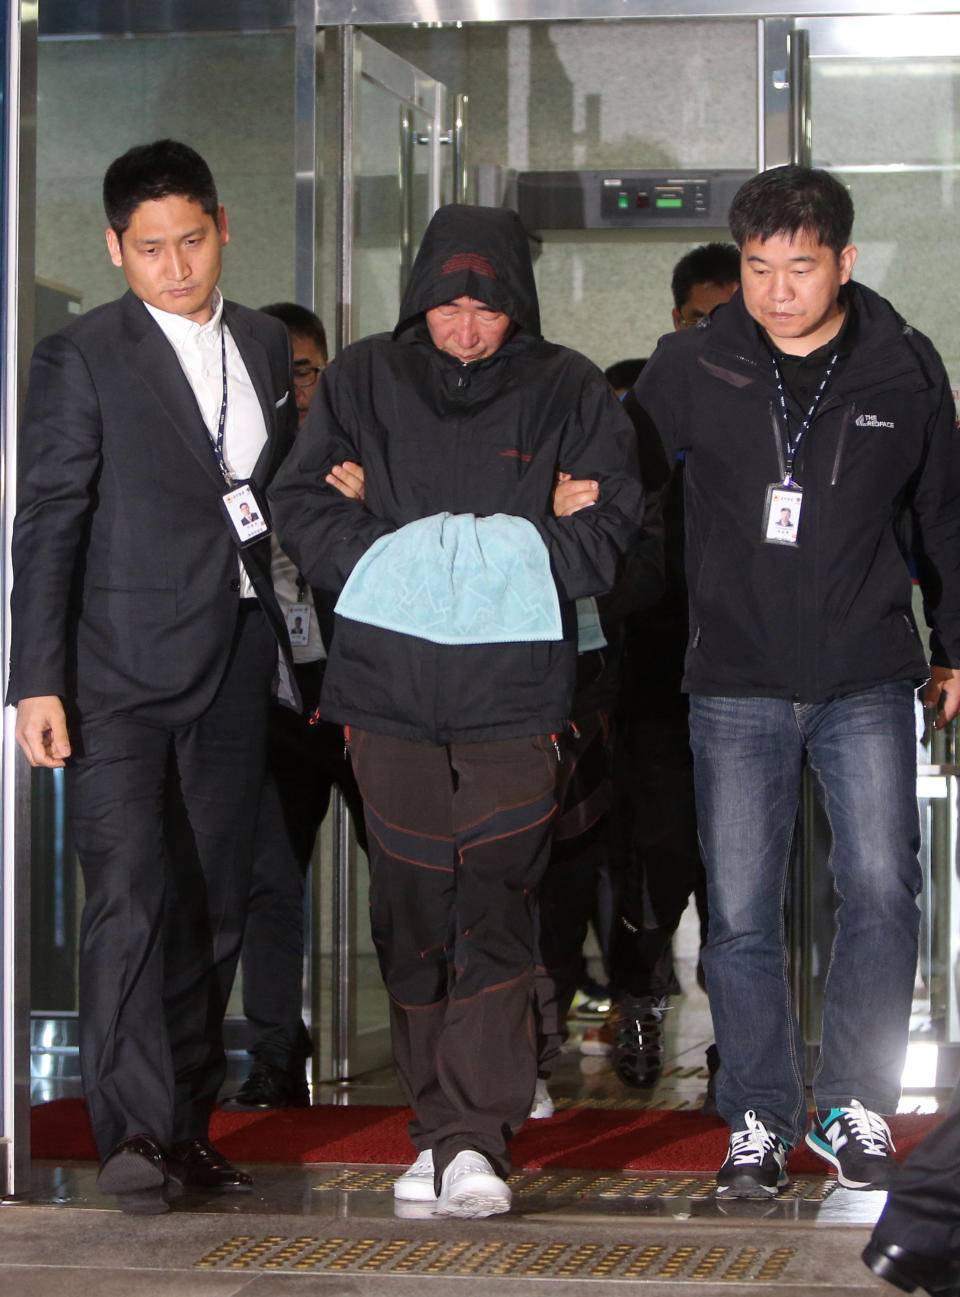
542,96
229,97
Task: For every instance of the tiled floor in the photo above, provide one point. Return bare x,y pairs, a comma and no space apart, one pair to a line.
333,1229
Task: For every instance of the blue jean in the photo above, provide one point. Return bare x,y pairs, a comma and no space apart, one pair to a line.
749,755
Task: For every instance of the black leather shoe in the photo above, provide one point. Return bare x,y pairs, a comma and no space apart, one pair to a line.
198,1165
136,1171
271,1087
909,1270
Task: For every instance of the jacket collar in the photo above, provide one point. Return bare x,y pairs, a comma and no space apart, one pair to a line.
160,370
876,356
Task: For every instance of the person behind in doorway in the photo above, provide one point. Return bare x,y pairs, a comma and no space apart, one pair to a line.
305,762
454,657
653,825
809,390
578,882
145,640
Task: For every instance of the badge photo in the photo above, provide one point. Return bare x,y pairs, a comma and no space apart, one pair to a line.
781,514
246,513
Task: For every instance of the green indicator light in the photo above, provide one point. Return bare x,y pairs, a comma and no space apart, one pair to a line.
669,202
623,201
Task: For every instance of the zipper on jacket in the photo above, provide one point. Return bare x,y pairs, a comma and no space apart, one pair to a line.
848,414
778,441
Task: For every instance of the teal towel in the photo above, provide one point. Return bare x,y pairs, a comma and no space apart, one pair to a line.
457,579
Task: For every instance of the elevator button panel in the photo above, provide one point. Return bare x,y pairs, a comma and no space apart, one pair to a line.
586,200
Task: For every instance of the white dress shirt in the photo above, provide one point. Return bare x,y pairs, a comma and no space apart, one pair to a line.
199,352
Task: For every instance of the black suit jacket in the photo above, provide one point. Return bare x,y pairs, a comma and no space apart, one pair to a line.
125,564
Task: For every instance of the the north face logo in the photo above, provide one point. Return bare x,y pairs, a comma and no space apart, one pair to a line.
871,421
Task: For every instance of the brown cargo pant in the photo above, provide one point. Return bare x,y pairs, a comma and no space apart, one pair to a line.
458,836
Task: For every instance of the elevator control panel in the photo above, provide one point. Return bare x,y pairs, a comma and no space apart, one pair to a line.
587,200
620,197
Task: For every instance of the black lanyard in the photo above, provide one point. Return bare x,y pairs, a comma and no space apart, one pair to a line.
222,423
794,445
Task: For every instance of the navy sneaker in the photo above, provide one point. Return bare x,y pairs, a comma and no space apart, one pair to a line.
857,1142
756,1163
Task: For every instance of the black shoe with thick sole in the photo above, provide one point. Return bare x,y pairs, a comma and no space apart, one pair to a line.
269,1087
637,1054
909,1271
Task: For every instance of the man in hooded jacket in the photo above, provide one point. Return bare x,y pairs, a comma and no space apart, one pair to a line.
454,657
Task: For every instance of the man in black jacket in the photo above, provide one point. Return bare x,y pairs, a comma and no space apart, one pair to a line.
808,392
454,657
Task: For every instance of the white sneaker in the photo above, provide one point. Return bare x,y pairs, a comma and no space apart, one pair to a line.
542,1103
470,1187
416,1183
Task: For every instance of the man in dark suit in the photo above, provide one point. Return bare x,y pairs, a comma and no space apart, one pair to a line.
145,642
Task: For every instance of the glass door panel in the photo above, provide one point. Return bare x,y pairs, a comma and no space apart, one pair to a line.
402,173
885,116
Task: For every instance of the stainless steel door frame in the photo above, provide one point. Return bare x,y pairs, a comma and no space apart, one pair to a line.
16,335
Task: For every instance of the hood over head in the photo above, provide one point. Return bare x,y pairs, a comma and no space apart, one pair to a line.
478,252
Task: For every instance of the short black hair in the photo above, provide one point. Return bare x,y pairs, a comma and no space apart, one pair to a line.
151,171
301,321
624,373
790,200
711,263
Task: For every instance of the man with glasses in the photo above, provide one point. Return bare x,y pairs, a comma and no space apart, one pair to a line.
703,279
305,761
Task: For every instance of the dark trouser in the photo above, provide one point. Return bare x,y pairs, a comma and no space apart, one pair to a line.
162,820
570,890
923,1210
655,853
304,762
458,838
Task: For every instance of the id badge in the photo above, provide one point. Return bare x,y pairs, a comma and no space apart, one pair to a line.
298,624
246,513
781,514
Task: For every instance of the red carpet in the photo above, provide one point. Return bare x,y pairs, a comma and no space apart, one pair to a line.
576,1138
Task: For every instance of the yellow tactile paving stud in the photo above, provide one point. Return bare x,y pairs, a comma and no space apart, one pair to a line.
290,1252
385,1255
225,1249
655,1262
255,1253
774,1265
644,1259
317,1256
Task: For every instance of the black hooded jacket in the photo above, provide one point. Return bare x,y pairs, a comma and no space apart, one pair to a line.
880,471
434,435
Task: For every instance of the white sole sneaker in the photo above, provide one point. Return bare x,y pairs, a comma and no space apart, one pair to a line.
542,1106
470,1188
416,1183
